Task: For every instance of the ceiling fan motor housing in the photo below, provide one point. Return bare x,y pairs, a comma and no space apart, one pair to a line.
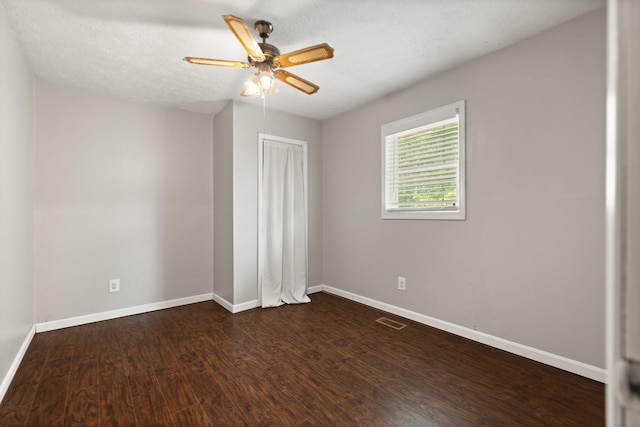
270,52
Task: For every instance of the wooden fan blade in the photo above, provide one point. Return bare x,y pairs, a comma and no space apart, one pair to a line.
218,62
297,82
243,34
304,56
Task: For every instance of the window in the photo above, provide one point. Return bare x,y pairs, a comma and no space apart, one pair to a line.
423,165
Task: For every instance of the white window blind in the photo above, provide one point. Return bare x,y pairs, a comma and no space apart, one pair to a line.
423,168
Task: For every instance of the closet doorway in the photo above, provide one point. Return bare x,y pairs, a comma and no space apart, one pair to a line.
282,221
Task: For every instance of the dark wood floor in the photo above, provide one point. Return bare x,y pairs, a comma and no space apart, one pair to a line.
327,363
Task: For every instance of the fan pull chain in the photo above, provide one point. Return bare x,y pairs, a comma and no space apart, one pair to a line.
264,114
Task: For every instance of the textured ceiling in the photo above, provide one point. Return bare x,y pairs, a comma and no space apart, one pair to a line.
134,48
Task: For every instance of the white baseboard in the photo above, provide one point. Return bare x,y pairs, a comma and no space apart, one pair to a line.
4,386
113,314
314,289
223,302
573,366
237,308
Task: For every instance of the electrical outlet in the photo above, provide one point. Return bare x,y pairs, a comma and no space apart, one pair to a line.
114,285
402,283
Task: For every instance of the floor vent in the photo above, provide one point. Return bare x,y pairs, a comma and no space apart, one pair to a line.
391,323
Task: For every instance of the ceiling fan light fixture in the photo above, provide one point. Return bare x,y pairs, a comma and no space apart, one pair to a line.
272,91
266,81
251,87
262,82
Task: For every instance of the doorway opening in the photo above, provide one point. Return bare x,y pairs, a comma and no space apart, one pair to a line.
282,221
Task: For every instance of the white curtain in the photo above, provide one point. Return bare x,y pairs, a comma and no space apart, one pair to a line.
283,248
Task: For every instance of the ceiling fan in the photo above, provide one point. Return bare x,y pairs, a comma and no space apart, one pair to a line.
267,59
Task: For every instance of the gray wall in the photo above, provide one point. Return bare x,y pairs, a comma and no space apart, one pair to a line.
527,264
123,190
16,197
223,203
247,123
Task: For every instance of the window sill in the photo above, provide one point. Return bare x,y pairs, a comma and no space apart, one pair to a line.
458,215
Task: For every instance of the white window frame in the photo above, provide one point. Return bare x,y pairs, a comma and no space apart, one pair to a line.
414,122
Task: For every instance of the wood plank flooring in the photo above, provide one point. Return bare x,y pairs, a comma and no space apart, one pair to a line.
326,363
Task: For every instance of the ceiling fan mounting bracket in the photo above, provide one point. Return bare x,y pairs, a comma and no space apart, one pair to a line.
264,29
